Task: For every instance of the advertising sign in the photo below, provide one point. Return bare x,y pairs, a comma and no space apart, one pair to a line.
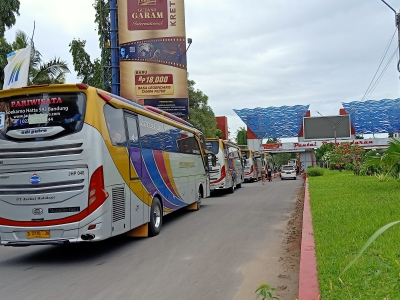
177,107
153,53
317,128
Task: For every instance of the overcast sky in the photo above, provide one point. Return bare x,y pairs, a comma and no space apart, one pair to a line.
257,53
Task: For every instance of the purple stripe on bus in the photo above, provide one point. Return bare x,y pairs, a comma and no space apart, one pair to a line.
142,172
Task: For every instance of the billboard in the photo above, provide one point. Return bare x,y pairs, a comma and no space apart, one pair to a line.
152,43
317,128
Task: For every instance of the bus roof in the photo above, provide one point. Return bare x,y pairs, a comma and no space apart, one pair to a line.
116,101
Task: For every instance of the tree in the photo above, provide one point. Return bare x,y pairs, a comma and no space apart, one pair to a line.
218,133
40,72
282,158
241,136
320,152
200,113
273,140
9,9
87,71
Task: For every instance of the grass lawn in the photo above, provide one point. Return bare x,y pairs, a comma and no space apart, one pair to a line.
346,210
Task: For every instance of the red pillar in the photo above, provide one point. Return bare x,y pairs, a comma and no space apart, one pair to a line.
222,124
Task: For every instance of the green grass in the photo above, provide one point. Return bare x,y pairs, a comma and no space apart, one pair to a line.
346,211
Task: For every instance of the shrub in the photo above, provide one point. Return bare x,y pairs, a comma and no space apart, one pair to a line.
349,167
312,172
346,153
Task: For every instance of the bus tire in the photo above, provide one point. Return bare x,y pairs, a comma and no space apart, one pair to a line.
155,223
239,185
231,190
198,202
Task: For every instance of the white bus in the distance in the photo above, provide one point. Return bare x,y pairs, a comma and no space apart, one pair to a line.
228,173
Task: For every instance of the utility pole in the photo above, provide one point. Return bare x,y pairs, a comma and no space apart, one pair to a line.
397,20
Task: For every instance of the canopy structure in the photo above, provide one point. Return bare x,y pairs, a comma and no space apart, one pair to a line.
374,116
274,122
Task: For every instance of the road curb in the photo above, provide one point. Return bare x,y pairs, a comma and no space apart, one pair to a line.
308,281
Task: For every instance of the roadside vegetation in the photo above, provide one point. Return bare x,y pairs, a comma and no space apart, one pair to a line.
355,209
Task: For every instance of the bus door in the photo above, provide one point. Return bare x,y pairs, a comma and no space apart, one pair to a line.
230,163
137,207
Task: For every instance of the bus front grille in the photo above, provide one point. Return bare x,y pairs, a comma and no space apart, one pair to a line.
44,191
37,152
38,149
43,188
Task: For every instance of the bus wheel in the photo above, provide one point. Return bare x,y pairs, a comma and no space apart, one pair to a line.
239,185
199,196
155,217
231,189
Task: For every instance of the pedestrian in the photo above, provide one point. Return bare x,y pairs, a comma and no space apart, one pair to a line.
269,174
263,175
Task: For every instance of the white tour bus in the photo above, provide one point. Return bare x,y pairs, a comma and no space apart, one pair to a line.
79,164
228,173
252,165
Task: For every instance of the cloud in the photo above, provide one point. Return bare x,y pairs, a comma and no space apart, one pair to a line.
258,53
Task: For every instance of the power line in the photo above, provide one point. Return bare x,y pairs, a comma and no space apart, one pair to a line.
382,73
382,58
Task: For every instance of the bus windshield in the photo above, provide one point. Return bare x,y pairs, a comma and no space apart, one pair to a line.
41,116
213,146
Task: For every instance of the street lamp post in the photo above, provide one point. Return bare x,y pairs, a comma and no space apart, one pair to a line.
397,20
333,125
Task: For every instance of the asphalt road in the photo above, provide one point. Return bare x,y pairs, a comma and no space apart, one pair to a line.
198,255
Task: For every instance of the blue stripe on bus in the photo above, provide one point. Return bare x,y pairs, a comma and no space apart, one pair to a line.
157,179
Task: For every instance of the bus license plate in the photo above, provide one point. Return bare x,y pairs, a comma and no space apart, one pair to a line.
39,234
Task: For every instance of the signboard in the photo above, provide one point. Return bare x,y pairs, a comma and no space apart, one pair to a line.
177,107
154,84
375,143
271,146
153,53
331,127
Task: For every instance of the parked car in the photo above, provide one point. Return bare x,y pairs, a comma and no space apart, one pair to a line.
288,171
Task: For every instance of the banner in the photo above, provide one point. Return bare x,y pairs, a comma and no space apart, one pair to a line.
17,70
152,44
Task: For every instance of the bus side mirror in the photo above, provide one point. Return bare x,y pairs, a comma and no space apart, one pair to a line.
213,160
207,160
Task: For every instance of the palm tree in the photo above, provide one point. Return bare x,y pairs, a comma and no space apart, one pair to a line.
392,157
40,72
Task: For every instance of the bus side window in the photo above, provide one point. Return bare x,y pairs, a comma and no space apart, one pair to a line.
151,133
187,143
115,125
171,135
132,132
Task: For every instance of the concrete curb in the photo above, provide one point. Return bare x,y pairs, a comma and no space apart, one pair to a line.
308,281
